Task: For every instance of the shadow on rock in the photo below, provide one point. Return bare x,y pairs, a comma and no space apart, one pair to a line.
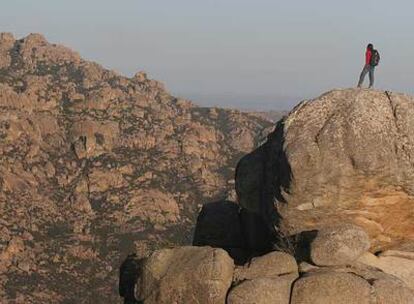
262,178
218,225
302,245
243,234
129,272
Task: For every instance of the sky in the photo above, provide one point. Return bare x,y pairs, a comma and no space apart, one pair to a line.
261,54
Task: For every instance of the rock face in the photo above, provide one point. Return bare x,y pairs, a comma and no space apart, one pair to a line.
94,165
339,245
185,275
346,156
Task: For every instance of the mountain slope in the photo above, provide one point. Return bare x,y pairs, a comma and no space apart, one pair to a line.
94,165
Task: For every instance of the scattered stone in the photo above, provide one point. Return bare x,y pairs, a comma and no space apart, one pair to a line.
24,265
14,247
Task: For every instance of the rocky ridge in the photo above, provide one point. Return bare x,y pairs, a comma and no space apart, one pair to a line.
94,165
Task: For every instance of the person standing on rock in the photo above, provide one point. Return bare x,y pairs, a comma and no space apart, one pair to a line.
372,59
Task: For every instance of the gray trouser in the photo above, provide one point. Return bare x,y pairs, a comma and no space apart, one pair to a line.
367,69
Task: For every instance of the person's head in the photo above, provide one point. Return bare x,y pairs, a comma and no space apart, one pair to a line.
370,47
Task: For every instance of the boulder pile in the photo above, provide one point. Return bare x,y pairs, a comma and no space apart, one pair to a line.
339,269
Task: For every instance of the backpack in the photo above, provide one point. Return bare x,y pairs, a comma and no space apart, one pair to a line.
375,58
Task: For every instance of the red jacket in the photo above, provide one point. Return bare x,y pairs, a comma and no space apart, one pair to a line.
368,55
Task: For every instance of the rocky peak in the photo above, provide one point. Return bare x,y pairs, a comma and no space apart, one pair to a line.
140,76
6,39
94,165
34,40
347,155
34,50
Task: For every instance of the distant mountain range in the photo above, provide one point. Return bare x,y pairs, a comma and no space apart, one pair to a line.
245,102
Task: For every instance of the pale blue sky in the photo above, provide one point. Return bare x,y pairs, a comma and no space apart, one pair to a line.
251,54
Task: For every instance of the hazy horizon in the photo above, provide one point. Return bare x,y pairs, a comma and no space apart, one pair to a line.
253,55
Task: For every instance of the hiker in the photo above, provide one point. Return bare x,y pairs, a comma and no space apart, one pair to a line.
372,59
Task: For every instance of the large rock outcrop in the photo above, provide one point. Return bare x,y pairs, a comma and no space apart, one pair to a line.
347,155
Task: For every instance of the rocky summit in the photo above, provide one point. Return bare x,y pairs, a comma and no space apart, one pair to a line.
95,165
346,156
